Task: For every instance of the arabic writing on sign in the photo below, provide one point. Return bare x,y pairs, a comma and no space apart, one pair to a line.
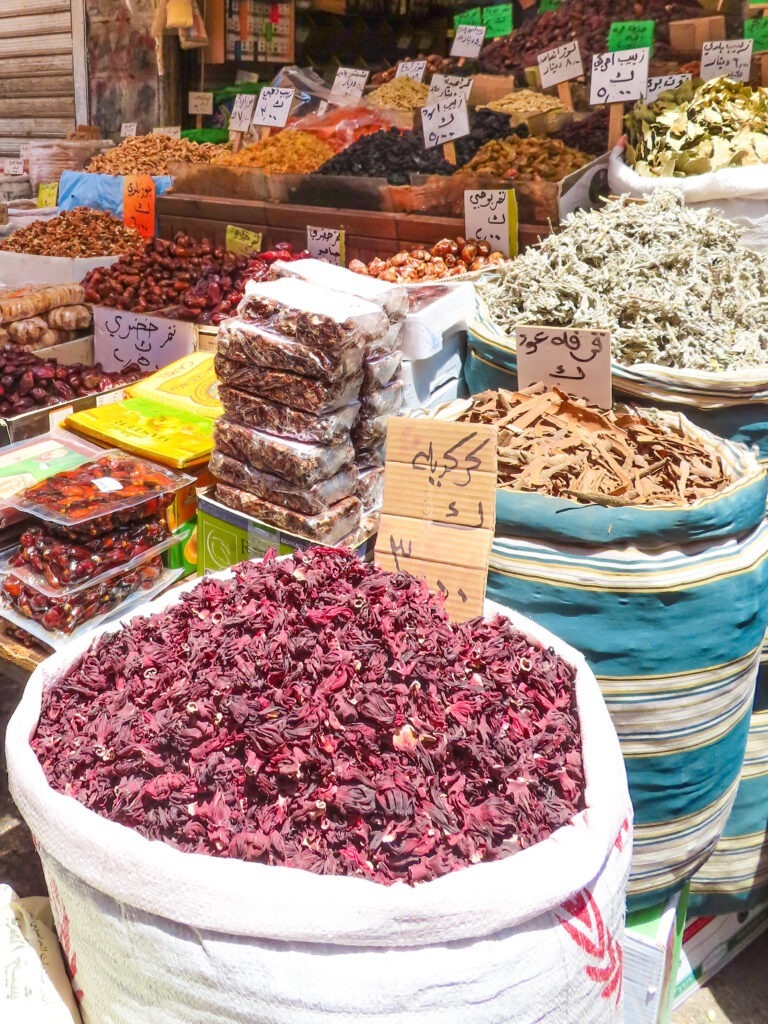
445,87
242,112
498,20
201,103
127,129
444,121
273,107
756,29
173,132
402,551
47,193
560,64
327,244
139,194
241,241
468,41
729,57
411,69
631,35
577,361
656,86
491,216
619,77
151,341
14,166
349,83
474,16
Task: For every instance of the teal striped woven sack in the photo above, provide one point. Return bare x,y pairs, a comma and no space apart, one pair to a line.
735,877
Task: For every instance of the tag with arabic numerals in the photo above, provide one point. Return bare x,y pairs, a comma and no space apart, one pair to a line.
14,167
273,107
48,193
172,132
151,341
439,508
348,84
444,87
576,361
411,69
619,77
327,244
731,58
490,215
445,121
201,103
242,112
560,64
241,241
468,41
127,129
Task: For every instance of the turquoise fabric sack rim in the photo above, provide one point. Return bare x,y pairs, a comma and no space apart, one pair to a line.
99,191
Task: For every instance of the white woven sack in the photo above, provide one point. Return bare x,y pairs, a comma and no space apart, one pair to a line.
166,937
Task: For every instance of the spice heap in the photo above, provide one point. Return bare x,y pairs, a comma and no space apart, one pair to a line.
40,316
78,232
104,529
551,444
289,152
697,130
526,103
151,154
380,749
535,158
399,94
393,155
673,285
589,134
450,257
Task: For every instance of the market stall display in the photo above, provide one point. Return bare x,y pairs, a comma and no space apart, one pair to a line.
151,154
588,134
525,103
36,317
75,233
448,258
290,152
435,65
391,154
403,93
534,158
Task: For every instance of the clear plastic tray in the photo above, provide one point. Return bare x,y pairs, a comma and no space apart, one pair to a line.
291,389
297,461
250,343
327,528
391,298
261,414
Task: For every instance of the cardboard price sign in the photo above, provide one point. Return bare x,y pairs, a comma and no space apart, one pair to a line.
491,216
439,508
474,16
242,112
411,69
498,20
349,83
241,241
174,132
139,194
48,193
444,87
656,86
120,338
756,29
327,244
577,362
14,166
127,129
273,107
631,35
729,57
445,121
560,64
468,41
619,77
201,103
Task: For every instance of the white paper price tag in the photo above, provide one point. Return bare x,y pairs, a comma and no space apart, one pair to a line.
201,103
173,132
468,41
443,87
127,129
656,86
327,244
14,166
24,149
411,69
242,112
273,107
619,77
120,338
729,57
560,64
577,362
348,84
491,216
445,121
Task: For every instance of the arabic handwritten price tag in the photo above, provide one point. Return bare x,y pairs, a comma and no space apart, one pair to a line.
656,86
729,57
445,121
619,77
468,41
497,20
578,362
444,87
127,129
273,107
14,166
756,29
548,5
631,35
439,508
241,241
48,193
139,195
172,132
560,64
201,103
411,69
474,16
348,84
242,112
151,341
327,244
491,216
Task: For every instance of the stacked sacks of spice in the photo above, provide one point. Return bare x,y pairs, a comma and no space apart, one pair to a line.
100,535
290,366
653,531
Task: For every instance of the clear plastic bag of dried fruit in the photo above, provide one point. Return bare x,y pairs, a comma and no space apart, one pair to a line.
253,344
327,527
297,461
262,414
289,388
309,500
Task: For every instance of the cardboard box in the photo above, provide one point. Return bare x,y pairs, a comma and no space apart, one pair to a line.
18,268
184,504
226,537
652,943
688,37
184,554
487,88
709,943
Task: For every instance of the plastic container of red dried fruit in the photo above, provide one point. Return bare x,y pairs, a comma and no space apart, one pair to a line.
102,494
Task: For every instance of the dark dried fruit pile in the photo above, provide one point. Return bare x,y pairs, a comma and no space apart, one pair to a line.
322,714
393,155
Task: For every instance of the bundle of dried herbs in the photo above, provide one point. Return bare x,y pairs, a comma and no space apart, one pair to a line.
551,444
672,284
692,130
322,714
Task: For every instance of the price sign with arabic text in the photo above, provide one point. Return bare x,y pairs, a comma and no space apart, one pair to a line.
151,341
474,16
560,64
756,29
468,41
498,20
242,112
439,508
491,215
127,129
662,83
411,69
348,84
729,57
327,244
241,241
172,132
631,35
14,166
273,107
47,193
139,194
445,121
577,362
444,87
201,103
619,77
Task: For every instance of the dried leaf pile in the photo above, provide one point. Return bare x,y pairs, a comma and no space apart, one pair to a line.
692,130
551,444
673,285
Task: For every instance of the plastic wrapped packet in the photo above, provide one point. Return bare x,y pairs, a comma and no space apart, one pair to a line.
316,317
22,303
304,393
301,463
308,500
250,343
381,371
370,488
189,384
327,528
69,318
391,298
370,458
369,432
252,411
385,402
27,333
